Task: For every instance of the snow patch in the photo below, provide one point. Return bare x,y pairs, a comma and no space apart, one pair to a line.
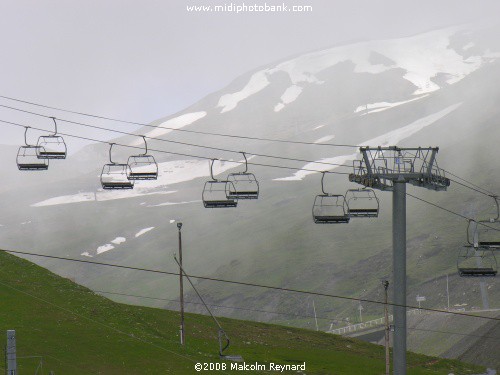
257,82
422,57
290,95
174,123
86,254
382,106
171,172
173,204
100,196
390,138
326,138
104,248
142,231
119,240
172,221
318,127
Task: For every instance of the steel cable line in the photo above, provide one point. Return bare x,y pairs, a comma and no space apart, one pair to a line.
249,284
256,164
217,134
175,142
452,212
181,130
174,153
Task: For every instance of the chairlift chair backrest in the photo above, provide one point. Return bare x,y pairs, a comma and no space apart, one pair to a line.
142,166
244,185
115,175
362,203
52,146
329,208
27,157
216,193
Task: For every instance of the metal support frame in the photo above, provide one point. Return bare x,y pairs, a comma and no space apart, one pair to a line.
390,169
399,275
385,283
181,287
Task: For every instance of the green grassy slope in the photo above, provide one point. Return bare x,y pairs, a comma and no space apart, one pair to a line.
79,332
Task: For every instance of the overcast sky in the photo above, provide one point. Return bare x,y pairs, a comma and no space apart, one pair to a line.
144,59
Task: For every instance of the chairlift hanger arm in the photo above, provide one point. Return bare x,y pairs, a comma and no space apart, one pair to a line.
145,145
211,169
495,198
323,182
55,126
26,135
110,148
246,162
468,232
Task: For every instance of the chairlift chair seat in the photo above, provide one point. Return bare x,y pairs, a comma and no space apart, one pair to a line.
142,167
27,159
51,147
477,272
494,244
114,176
216,195
234,358
476,262
243,186
330,209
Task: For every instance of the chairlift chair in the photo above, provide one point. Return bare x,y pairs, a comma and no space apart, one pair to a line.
115,175
142,166
216,192
362,203
476,262
27,157
329,208
243,185
51,146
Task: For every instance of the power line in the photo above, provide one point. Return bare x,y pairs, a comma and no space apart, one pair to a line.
181,130
243,283
285,314
220,306
175,153
97,322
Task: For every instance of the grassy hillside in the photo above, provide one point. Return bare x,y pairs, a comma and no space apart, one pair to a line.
79,332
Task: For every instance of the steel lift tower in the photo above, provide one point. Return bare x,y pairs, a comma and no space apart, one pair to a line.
390,169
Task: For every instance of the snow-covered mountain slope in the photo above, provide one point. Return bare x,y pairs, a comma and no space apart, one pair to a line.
434,89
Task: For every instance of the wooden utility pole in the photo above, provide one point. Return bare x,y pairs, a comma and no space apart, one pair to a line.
385,283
